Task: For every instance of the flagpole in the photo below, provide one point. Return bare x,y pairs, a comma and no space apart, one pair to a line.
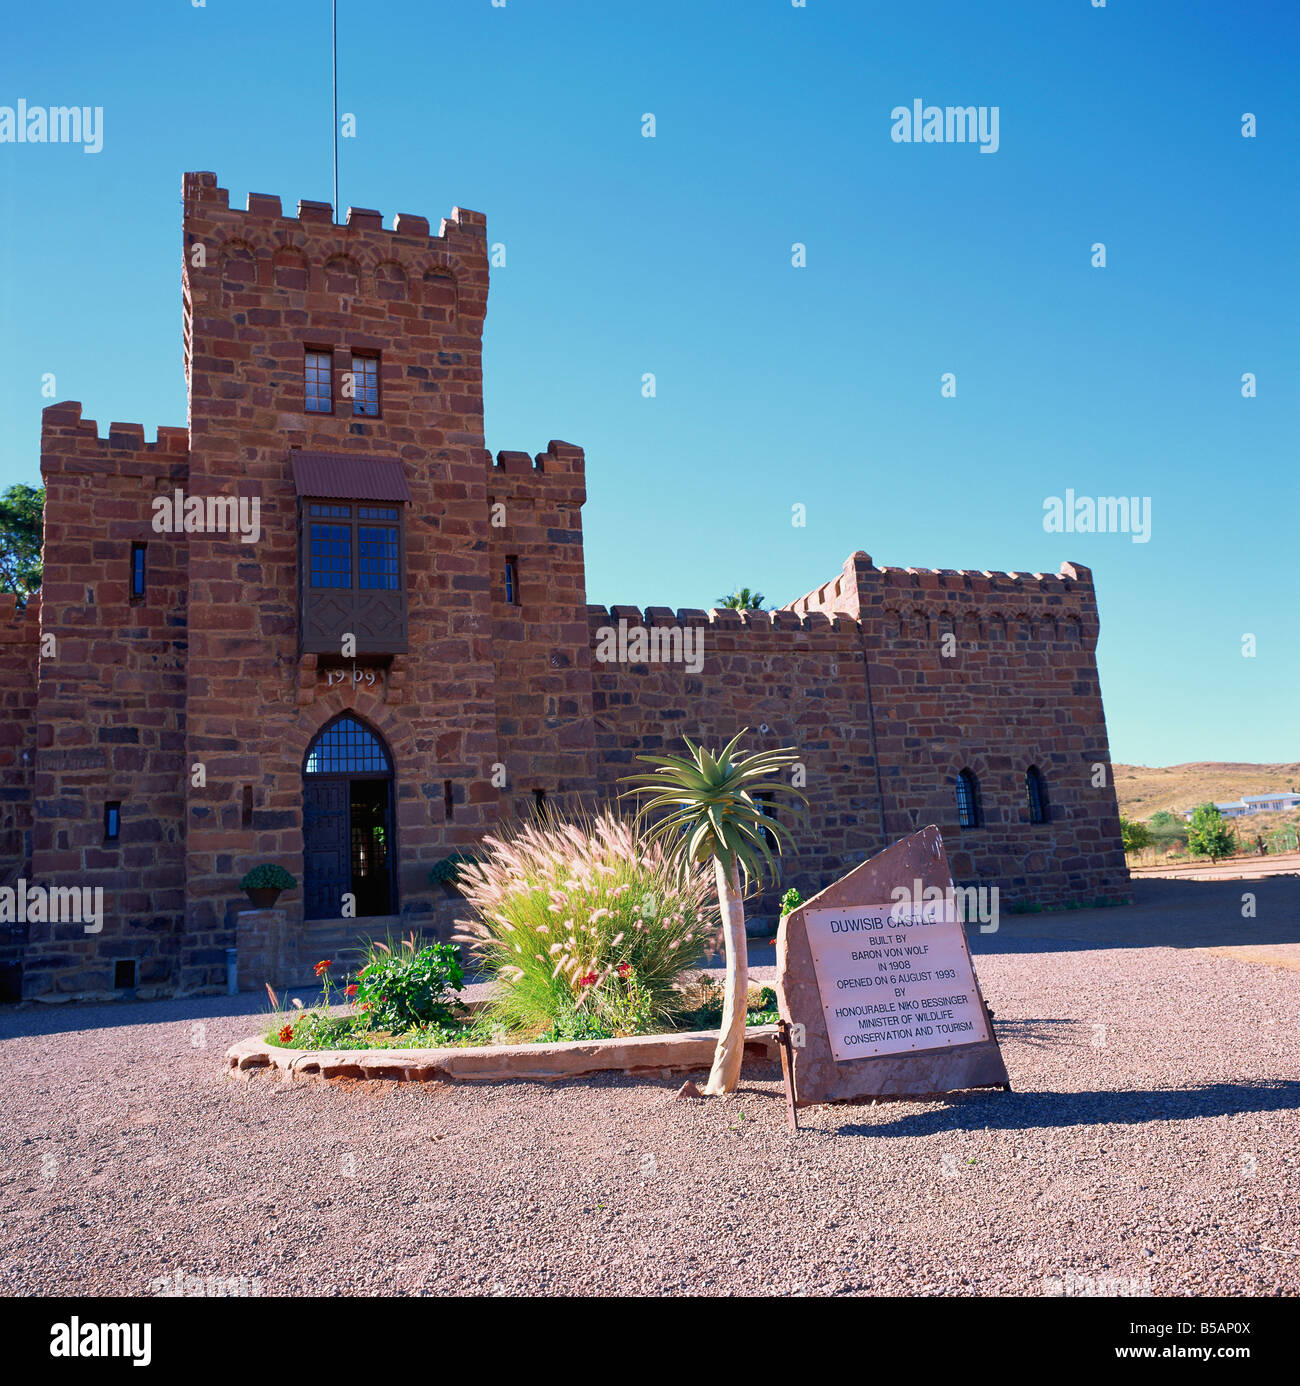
334,36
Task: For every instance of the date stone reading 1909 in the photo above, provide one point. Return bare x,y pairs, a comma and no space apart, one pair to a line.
895,978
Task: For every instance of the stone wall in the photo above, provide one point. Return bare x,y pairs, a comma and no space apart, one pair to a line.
885,712
539,641
19,654
110,704
261,288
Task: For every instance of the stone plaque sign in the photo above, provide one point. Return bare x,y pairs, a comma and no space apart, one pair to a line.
894,978
882,997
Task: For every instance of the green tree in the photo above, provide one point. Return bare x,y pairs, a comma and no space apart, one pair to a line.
1208,835
21,508
711,812
1136,835
742,599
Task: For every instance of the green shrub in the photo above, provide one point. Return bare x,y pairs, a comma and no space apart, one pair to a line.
404,986
1208,835
584,918
1136,836
267,876
790,902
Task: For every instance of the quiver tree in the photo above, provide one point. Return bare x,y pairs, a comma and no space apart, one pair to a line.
706,808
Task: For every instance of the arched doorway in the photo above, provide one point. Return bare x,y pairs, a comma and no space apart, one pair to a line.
347,822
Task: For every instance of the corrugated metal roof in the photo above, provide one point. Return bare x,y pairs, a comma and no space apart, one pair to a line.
349,476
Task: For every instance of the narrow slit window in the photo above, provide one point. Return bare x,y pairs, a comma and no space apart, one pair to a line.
1036,794
137,571
448,801
246,808
318,382
512,581
539,802
112,821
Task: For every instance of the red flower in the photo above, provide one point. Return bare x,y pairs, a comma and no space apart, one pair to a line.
350,991
624,969
588,981
323,966
286,1034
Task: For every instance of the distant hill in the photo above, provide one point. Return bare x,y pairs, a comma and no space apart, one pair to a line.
1144,789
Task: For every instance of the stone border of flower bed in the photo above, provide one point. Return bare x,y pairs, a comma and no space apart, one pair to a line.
636,1054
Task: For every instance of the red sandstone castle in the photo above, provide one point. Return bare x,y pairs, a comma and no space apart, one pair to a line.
403,655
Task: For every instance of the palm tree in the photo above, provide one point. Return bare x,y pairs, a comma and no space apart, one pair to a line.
742,600
711,813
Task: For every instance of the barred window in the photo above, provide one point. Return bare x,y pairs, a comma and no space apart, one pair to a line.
347,747
319,388
968,800
365,385
512,581
1036,794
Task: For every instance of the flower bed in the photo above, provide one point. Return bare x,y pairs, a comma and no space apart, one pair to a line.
698,1008
658,1055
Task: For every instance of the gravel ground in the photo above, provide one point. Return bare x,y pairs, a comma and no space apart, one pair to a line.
1153,1140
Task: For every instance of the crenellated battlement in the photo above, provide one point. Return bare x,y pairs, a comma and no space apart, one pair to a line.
19,625
758,623
71,443
259,247
916,602
559,473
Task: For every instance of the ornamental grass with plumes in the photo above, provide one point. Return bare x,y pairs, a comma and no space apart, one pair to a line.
584,925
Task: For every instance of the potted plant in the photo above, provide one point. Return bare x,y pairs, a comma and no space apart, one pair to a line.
446,873
264,883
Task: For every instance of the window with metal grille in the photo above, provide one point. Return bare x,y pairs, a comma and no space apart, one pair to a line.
1036,794
346,747
318,383
365,384
968,800
512,581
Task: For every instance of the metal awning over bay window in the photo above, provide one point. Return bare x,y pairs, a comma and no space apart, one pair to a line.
352,553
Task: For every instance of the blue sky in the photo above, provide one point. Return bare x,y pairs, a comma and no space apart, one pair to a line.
775,385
